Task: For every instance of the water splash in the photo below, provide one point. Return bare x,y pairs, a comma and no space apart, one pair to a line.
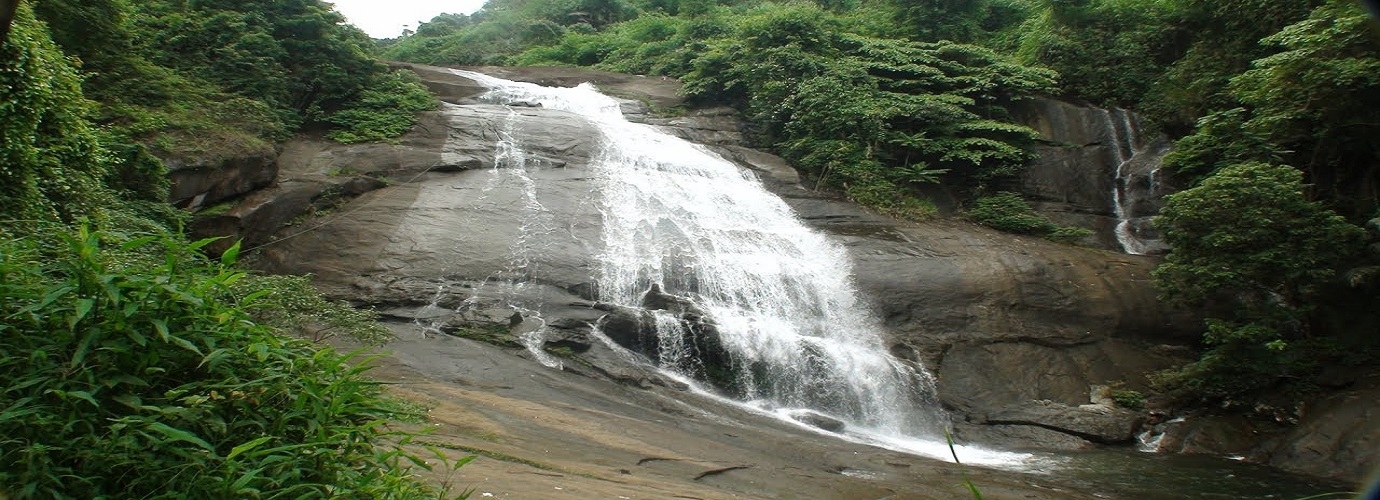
680,220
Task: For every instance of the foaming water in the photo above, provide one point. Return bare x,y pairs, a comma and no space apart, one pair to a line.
681,220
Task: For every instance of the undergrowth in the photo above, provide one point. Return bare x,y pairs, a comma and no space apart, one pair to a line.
131,370
1006,211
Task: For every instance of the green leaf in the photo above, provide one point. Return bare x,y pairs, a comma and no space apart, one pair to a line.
137,242
236,451
176,434
161,326
83,307
231,254
198,244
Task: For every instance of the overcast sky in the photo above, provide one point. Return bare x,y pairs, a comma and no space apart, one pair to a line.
388,18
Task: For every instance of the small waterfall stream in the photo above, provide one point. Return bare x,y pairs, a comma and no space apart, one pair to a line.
681,221
1133,180
1125,141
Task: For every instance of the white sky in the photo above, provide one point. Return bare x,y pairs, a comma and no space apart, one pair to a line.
388,18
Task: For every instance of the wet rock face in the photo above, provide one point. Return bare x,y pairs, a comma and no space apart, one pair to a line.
455,232
1073,178
819,420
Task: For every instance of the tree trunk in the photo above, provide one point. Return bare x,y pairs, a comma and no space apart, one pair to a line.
7,8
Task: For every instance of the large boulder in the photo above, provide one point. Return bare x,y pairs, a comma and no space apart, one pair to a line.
1097,423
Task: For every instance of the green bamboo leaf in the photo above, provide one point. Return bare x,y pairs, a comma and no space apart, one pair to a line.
161,326
231,254
82,395
198,244
236,451
185,344
83,308
176,434
137,242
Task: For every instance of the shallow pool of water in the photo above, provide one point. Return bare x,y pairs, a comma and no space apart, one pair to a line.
1131,474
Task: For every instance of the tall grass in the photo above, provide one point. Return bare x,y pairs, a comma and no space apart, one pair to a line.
131,371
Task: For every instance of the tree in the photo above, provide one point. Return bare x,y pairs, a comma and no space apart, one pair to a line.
1317,100
1247,242
1255,254
50,159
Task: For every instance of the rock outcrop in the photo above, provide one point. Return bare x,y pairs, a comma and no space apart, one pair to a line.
1074,180
208,182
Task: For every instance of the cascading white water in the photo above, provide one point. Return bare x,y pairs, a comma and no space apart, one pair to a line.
1125,146
679,217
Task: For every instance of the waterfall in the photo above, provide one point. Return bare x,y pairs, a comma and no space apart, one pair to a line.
1127,147
681,221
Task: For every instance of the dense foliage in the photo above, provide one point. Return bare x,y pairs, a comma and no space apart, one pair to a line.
197,81
1257,255
51,164
135,372
131,366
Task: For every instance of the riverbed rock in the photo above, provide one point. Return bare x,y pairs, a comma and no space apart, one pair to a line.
206,182
819,420
1096,423
1338,436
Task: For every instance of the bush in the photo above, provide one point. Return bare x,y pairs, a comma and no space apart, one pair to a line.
1006,211
1127,398
387,108
133,373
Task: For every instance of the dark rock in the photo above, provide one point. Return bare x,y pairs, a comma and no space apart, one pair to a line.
820,420
1097,423
985,377
1338,437
447,86
633,329
1016,437
1074,174
206,183
1208,435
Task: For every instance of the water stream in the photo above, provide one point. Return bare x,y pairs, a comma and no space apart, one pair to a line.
1125,144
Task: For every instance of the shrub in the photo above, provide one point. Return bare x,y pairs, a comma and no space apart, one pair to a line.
133,373
1006,211
387,108
1127,398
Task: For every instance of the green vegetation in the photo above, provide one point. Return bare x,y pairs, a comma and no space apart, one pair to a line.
1007,211
498,335
1127,398
140,360
132,365
1258,257
201,81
